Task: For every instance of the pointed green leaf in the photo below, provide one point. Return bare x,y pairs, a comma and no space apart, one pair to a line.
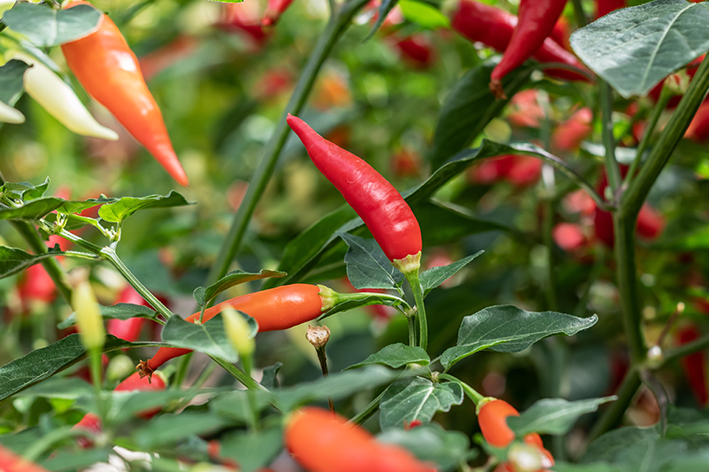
424,14
45,27
553,415
368,266
11,84
270,376
506,328
350,301
435,276
396,356
432,443
237,405
124,207
24,190
255,449
119,311
14,260
416,398
235,277
634,48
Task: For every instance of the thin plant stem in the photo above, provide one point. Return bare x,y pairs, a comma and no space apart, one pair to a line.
337,25
322,358
579,14
686,350
612,416
612,168
367,413
473,394
413,278
411,321
182,370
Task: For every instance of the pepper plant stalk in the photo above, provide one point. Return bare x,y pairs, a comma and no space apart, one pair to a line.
413,278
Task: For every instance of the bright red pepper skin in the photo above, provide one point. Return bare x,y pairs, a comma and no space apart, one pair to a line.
381,207
569,236
274,10
604,7
699,127
321,441
11,462
537,19
91,423
273,309
494,28
694,365
417,50
568,135
110,72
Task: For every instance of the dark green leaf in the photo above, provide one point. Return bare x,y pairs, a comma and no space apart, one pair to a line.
71,461
633,49
597,467
506,328
255,449
270,376
469,107
14,260
384,9
167,429
120,311
46,27
416,398
209,338
126,405
431,443
435,276
367,266
67,388
32,210
235,277
237,406
11,80
424,14
124,207
553,415
396,356
443,223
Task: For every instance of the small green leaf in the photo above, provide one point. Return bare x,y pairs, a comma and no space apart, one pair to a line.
431,443
235,277
119,311
253,450
424,14
11,84
209,338
634,48
435,276
384,9
416,398
167,429
350,301
14,260
367,266
24,190
553,415
396,356
46,27
124,207
270,376
506,328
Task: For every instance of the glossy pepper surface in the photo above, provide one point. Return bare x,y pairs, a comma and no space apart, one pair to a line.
321,441
494,28
536,21
376,201
109,71
273,309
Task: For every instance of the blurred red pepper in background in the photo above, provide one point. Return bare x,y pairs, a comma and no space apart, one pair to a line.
569,236
245,18
416,50
604,7
520,171
405,163
567,136
694,365
525,111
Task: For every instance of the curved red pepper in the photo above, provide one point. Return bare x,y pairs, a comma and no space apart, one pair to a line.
107,68
494,28
376,201
536,22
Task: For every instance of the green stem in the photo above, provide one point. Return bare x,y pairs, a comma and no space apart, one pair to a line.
247,361
334,30
367,413
612,416
95,356
182,370
239,375
665,96
109,253
579,14
612,168
413,278
411,320
686,350
473,394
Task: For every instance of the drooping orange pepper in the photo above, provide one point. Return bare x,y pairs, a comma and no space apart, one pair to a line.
108,69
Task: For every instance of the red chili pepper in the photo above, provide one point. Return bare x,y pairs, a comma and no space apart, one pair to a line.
699,127
406,163
274,10
494,28
525,171
321,441
274,309
417,50
129,329
536,22
568,135
560,34
11,462
109,71
694,365
525,110
604,7
244,17
376,201
569,236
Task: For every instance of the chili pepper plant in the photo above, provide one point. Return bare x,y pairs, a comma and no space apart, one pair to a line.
407,235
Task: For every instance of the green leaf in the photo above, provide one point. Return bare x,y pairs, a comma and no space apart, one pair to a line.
367,266
435,276
442,223
46,27
126,405
235,277
41,364
336,386
553,415
609,446
597,467
124,207
167,429
506,328
396,356
270,376
384,9
237,406
416,398
75,460
65,388
424,14
11,84
431,443
633,49
469,107
253,450
14,260
209,338
41,207
350,301
24,190
119,311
